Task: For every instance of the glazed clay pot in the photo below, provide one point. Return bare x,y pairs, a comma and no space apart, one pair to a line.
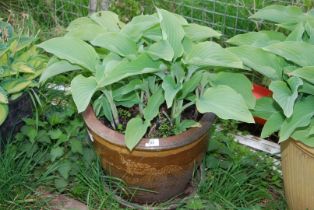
163,166
297,162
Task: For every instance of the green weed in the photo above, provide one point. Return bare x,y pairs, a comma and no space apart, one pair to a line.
17,182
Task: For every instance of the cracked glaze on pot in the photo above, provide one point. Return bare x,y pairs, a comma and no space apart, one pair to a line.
165,169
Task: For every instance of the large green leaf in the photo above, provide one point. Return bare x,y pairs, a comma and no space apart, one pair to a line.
110,57
5,71
279,14
78,22
128,100
152,108
56,68
257,39
272,124
138,25
83,89
131,97
22,67
13,85
285,94
107,19
212,54
161,49
21,43
4,48
298,52
135,130
265,107
181,19
307,88
4,111
28,54
261,61
106,109
311,132
187,44
116,42
171,89
172,31
108,66
304,134
185,124
190,85
3,96
225,102
306,73
15,96
240,83
86,32
297,33
153,33
177,71
74,50
309,28
129,87
102,107
199,33
141,65
152,83
301,117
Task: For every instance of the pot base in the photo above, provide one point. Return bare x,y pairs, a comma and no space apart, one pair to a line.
160,174
173,203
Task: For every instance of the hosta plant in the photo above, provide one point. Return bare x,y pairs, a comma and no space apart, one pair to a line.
287,59
20,64
158,65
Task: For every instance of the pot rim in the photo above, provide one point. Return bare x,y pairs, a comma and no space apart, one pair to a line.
171,142
307,149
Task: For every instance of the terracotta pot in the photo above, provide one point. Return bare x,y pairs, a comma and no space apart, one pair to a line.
164,166
297,162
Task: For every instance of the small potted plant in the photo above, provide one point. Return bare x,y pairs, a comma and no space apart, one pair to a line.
287,61
149,91
20,64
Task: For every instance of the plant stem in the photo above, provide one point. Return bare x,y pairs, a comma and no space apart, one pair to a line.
168,118
176,111
113,107
140,105
187,105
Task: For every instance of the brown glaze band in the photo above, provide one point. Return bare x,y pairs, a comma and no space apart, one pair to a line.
167,143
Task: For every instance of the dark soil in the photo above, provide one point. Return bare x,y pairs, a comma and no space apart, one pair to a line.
18,109
160,126
256,130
